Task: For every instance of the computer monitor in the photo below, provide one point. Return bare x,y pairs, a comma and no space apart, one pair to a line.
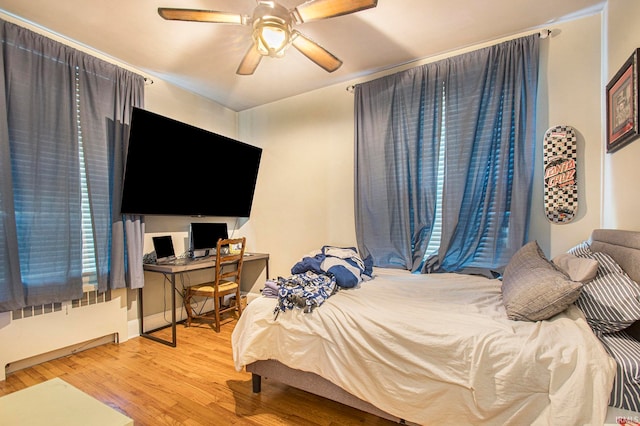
203,238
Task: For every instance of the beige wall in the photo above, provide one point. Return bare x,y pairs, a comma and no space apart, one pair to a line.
570,93
621,178
304,196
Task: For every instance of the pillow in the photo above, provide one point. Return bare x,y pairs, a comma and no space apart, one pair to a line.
533,289
611,301
606,264
581,250
577,268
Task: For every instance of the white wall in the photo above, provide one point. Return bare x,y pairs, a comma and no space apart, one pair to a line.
166,99
304,195
570,93
621,168
37,336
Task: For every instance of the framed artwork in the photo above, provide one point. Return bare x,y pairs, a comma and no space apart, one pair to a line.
622,105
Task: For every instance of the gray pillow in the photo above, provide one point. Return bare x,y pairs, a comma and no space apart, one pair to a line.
533,289
577,268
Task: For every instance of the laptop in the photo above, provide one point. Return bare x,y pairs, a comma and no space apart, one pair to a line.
164,249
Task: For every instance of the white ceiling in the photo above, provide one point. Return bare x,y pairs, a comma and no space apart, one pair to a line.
203,57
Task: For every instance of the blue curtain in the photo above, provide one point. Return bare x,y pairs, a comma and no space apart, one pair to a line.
397,144
480,108
107,96
41,255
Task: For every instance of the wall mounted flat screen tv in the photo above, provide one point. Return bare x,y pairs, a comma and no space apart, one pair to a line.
173,168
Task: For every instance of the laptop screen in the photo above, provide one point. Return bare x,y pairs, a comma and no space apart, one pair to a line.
164,248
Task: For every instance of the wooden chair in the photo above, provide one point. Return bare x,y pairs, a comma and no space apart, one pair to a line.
228,270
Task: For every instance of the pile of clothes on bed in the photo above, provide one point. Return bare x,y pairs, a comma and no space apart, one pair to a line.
318,276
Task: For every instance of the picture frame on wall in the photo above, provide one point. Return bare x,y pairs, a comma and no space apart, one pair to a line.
622,105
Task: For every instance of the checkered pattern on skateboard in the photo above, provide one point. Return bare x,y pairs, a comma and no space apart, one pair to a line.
561,202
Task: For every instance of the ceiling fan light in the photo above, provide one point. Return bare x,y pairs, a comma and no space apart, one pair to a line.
272,36
271,28
272,40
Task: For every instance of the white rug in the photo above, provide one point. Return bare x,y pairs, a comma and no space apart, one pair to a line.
56,402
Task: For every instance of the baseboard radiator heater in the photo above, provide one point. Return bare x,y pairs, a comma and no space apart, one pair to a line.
89,298
41,333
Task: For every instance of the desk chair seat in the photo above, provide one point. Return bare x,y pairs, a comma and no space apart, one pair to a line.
228,265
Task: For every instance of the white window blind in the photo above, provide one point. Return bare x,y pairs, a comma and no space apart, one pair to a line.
89,273
436,231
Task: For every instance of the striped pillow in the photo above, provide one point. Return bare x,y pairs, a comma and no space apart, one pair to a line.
625,350
581,250
611,301
606,264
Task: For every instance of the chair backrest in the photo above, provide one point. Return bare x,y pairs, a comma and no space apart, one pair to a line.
228,255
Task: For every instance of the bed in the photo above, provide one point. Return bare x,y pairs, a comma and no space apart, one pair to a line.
440,349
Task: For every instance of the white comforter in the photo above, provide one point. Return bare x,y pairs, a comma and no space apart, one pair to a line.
438,349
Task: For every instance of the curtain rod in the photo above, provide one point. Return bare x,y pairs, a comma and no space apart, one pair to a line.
544,33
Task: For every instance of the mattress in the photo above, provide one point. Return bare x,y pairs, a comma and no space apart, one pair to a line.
436,349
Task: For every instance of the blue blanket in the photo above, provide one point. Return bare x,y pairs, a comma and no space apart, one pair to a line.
317,277
343,263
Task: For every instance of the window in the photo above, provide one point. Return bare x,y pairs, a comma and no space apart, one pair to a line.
67,123
444,160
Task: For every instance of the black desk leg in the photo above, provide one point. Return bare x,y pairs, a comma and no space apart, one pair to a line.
148,334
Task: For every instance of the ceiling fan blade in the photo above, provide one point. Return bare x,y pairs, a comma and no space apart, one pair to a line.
315,52
314,10
197,15
250,61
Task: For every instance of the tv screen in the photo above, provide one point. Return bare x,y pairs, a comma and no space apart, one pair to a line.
173,168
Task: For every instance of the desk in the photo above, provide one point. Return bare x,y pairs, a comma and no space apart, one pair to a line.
171,271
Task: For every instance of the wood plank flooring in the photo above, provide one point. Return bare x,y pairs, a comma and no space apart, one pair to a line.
192,384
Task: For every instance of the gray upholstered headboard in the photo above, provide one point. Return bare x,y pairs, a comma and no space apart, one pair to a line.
624,247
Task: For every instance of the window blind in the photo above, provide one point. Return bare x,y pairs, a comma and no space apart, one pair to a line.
89,275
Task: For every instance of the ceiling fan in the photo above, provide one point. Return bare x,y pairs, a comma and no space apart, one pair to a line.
273,28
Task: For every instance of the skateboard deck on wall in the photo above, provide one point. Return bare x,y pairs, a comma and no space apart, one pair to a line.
560,180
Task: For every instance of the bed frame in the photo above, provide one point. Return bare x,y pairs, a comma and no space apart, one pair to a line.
312,383
623,246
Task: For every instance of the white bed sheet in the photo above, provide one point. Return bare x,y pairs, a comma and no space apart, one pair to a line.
438,349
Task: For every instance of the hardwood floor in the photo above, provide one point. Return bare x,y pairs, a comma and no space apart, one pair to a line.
192,384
